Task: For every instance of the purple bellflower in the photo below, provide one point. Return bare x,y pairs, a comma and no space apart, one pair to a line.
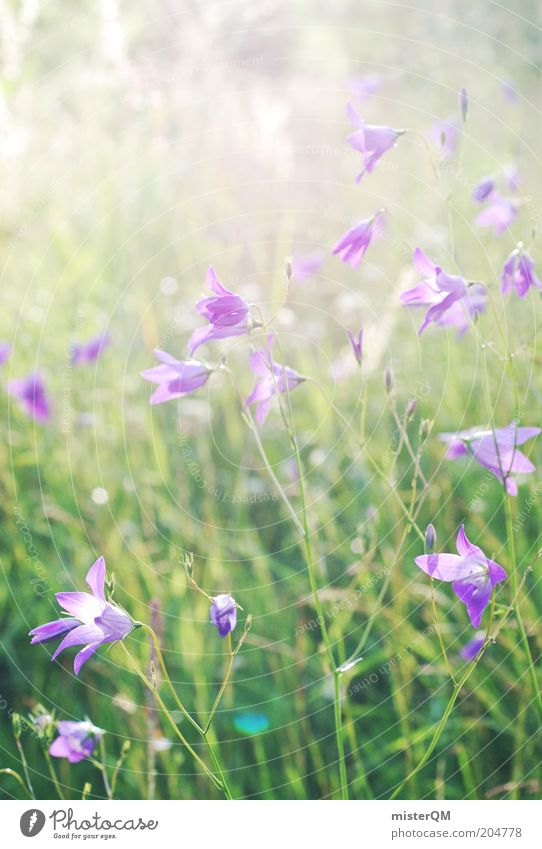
93,621
223,613
370,140
270,378
438,291
445,136
88,352
496,450
518,273
175,378
305,265
483,190
5,351
357,345
471,573
472,648
30,393
76,741
226,312
352,246
499,214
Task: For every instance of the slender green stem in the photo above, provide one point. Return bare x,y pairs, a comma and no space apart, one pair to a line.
171,721
449,707
339,732
202,731
372,462
229,664
517,611
290,427
168,681
104,769
17,777
438,630
118,765
54,777
24,766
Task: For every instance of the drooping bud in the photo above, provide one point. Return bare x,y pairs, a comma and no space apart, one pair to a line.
356,343
16,723
289,268
463,103
425,427
410,409
188,563
430,538
388,379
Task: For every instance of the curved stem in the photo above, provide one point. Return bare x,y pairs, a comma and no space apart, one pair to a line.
52,773
17,777
171,721
25,767
517,612
339,731
202,731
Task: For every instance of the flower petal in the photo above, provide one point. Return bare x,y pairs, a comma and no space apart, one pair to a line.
82,656
444,567
52,630
83,606
96,579
81,636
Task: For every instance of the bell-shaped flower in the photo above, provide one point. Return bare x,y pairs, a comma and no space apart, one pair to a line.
499,214
352,246
271,378
495,450
226,312
444,294
92,620
76,741
223,613
518,273
370,140
175,378
88,352
483,190
30,393
472,575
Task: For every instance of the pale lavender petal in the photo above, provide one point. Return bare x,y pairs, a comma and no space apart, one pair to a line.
82,656
466,548
475,596
114,623
96,579
444,567
81,636
83,606
423,264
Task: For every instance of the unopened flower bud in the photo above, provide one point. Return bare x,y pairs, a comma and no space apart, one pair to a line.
410,409
388,379
425,427
289,268
430,538
464,103
16,723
